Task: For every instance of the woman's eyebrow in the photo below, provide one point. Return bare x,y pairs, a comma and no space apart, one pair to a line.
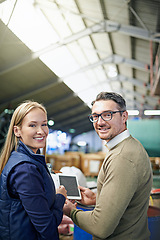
37,121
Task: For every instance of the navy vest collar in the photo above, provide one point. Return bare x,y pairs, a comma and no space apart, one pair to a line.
22,148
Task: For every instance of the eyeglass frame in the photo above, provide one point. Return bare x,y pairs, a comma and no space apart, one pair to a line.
100,115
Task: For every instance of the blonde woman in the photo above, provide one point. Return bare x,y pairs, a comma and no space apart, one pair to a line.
30,207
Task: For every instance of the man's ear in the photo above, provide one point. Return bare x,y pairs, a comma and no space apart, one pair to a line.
125,116
16,131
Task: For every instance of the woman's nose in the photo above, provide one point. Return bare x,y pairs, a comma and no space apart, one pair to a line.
40,130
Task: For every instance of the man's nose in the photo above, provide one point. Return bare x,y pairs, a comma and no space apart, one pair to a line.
100,119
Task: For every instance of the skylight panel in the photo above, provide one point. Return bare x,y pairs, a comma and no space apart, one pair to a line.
88,95
77,82
29,24
60,61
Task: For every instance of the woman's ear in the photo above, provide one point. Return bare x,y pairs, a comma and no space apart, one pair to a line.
16,131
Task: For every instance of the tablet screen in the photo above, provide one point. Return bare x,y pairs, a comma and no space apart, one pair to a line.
71,184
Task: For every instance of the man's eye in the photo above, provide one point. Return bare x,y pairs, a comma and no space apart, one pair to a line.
106,114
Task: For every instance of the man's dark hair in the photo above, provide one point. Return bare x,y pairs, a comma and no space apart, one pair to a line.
112,96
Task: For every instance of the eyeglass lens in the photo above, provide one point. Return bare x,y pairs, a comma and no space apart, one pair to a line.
105,116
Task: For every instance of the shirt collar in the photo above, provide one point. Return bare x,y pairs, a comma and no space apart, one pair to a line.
117,139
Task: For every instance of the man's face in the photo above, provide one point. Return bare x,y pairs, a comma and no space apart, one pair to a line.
109,129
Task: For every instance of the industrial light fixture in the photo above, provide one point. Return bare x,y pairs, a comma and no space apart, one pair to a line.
72,130
81,143
9,111
152,112
133,112
50,123
112,72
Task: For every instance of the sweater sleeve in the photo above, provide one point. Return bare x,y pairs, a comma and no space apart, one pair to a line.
117,189
27,184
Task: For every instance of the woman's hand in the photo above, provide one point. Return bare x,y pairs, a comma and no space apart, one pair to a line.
88,197
62,190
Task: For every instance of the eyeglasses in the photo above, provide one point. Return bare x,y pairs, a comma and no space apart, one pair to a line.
106,116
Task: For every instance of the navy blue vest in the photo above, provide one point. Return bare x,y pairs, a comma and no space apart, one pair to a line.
14,222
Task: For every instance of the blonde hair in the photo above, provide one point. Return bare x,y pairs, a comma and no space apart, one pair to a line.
11,141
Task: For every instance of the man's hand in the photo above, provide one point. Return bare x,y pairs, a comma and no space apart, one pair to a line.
68,206
88,197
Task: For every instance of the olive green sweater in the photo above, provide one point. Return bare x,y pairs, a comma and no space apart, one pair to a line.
123,188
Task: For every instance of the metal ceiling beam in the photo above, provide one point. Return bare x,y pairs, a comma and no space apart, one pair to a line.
134,94
134,104
117,59
140,96
108,26
104,13
134,81
137,105
92,39
111,26
123,79
103,26
44,5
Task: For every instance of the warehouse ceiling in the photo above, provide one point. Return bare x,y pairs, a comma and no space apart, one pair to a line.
63,53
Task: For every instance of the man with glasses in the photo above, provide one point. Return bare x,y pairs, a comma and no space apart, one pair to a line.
124,181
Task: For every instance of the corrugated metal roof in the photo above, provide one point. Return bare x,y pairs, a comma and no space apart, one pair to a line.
101,36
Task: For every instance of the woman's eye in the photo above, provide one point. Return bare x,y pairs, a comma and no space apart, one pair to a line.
45,125
32,125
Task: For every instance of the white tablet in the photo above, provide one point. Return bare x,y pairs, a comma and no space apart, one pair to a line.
70,182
